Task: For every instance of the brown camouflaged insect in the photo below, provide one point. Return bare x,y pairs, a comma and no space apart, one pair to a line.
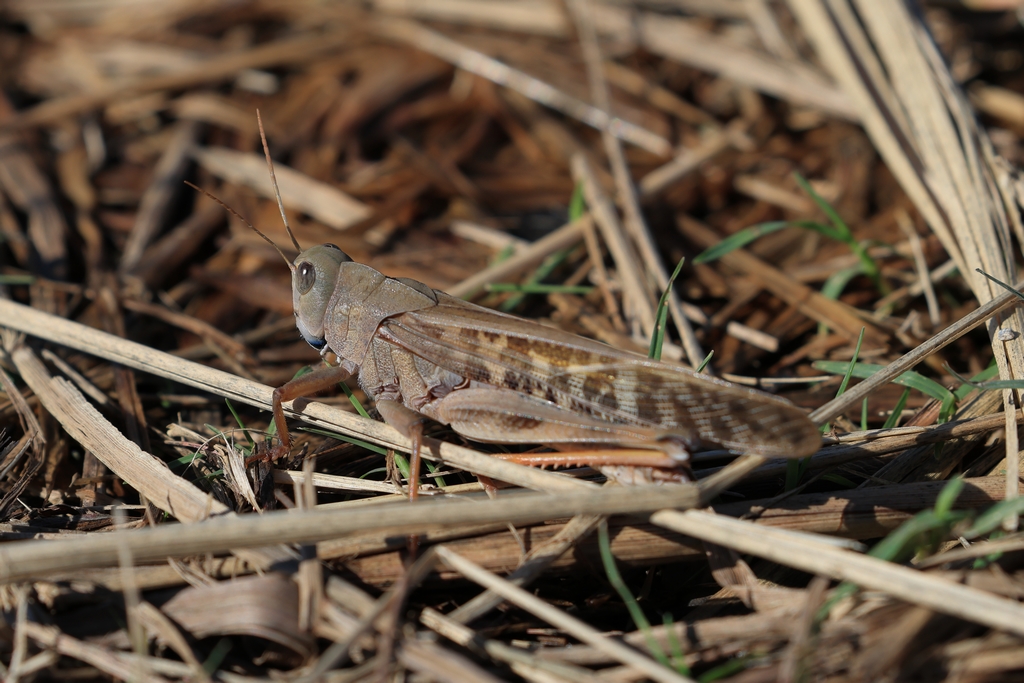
492,377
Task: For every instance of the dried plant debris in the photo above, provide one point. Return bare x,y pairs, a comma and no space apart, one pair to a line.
839,179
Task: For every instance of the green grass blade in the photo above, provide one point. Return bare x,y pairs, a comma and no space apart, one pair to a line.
992,519
576,209
993,385
347,439
843,233
837,281
238,419
503,255
217,655
909,538
946,410
183,461
707,359
615,579
839,479
968,386
17,279
947,497
658,338
838,223
906,539
1002,284
726,669
739,239
794,472
577,204
354,401
661,314
431,468
217,432
911,379
820,228
402,463
674,646
838,230
894,416
853,363
545,269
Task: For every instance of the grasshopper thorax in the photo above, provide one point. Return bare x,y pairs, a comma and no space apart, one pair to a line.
314,273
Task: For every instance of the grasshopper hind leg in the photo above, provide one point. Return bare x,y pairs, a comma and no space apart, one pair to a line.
496,415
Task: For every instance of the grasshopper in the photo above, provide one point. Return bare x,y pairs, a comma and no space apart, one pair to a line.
493,377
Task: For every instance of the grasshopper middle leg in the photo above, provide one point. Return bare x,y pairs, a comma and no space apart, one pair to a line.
410,424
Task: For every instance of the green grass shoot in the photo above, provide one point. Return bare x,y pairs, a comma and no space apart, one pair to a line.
241,424
577,203
992,519
727,669
981,385
918,534
577,208
504,254
836,229
911,379
354,401
17,279
661,315
894,416
217,655
707,359
379,450
839,479
834,286
635,612
542,271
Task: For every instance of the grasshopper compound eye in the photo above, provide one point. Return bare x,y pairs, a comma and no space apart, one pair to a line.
306,277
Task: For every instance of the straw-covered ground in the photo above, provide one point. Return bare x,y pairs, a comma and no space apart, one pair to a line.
852,168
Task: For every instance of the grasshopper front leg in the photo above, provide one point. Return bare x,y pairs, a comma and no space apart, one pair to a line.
307,385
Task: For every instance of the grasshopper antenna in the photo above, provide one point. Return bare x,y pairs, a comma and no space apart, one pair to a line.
239,216
273,179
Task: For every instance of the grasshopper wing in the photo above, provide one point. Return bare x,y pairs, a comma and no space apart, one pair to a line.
595,379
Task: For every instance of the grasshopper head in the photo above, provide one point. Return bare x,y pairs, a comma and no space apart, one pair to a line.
314,272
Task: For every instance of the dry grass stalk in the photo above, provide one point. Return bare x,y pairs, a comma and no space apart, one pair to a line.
861,514
480,64
140,470
811,555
